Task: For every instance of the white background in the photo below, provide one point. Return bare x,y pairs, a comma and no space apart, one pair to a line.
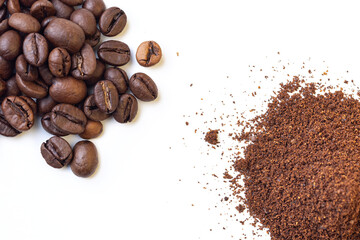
146,186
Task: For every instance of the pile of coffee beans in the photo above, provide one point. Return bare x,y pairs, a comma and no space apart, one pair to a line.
49,68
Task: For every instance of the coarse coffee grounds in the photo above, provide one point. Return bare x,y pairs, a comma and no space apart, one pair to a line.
212,137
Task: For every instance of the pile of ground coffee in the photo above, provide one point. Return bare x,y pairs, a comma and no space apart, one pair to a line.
301,166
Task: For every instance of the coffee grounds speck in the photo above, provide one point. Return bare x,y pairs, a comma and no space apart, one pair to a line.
212,137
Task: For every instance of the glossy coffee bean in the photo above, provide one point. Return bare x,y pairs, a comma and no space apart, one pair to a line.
10,45
85,19
85,160
68,118
62,10
27,3
93,129
106,96
92,111
12,88
2,87
6,68
148,54
114,52
26,71
45,105
127,109
83,63
5,128
118,77
42,9
4,26
13,6
112,21
46,21
18,113
72,2
34,89
143,87
31,103
24,23
68,90
49,127
65,34
59,62
97,7
94,39
56,152
97,75
45,74
36,49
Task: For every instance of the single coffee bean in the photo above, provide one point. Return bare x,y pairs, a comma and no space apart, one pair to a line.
106,96
24,23
112,21
65,34
49,127
92,111
45,74
6,68
31,103
68,118
34,89
83,63
93,129
148,54
4,26
68,90
143,87
94,39
18,113
45,105
97,75
114,52
10,45
59,62
62,10
35,48
56,152
5,128
46,21
42,9
85,160
12,88
85,19
27,3
97,7
127,109
26,71
118,77
13,6
2,87
72,2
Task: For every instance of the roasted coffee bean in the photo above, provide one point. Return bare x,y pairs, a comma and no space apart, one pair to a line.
127,109
92,111
31,103
112,21
72,2
68,118
62,10
114,52
93,129
26,71
65,34
45,74
3,12
59,62
85,19
18,113
35,48
46,21
2,87
42,9
34,89
49,127
5,128
148,54
45,105
118,77
13,6
12,88
27,3
143,87
68,90
56,152
97,75
83,63
6,68
24,23
106,96
85,160
97,7
4,26
10,45
94,39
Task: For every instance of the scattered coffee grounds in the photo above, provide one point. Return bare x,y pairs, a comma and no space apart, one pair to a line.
212,137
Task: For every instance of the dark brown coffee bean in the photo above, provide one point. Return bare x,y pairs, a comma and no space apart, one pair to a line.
56,152
27,3
5,128
97,7
68,90
92,111
42,9
4,26
127,109
18,113
31,103
65,34
62,10
93,129
83,63
46,21
97,75
49,127
68,118
26,71
45,105
59,62
45,74
112,21
10,45
2,87
34,89
114,52
13,6
143,87
94,39
72,2
24,23
35,48
148,54
6,68
85,19
118,77
106,96
85,160
12,88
